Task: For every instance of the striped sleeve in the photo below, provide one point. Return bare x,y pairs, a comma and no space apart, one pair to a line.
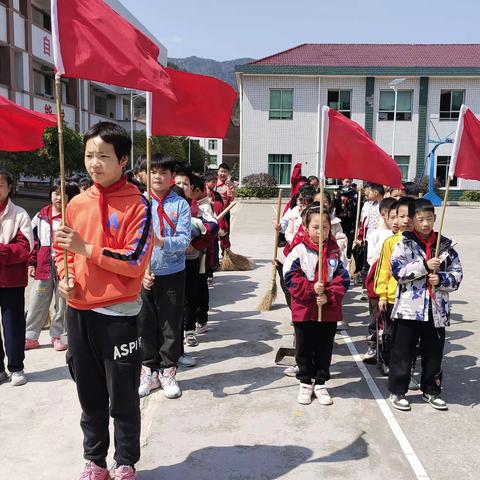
131,260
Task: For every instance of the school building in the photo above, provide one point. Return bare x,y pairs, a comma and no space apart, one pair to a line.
26,70
281,95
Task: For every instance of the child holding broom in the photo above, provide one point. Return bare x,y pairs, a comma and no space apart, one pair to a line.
314,339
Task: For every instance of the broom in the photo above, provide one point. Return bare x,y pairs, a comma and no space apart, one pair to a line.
271,294
233,262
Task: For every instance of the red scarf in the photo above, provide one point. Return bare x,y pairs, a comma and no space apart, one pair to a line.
3,205
162,216
427,243
194,208
103,203
307,241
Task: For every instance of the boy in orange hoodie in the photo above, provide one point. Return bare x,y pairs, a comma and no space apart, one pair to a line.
108,242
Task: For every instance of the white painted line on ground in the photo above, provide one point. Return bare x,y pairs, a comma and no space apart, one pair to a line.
405,445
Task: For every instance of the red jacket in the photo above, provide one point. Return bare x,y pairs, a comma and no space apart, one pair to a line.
301,273
16,243
42,258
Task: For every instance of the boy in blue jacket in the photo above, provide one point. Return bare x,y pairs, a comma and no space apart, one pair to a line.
161,317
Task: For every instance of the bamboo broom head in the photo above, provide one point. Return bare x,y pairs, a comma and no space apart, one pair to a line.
233,262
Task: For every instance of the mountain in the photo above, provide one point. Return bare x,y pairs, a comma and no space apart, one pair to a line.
205,66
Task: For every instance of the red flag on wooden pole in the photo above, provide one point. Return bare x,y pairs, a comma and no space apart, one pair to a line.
349,152
202,106
93,42
21,129
465,161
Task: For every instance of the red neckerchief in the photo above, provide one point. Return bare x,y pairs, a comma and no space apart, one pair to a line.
3,205
193,207
307,241
102,202
427,243
162,216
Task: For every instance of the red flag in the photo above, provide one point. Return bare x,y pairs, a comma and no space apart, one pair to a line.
349,152
93,42
202,108
21,129
465,161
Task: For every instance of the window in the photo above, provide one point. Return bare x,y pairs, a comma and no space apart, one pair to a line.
212,144
450,103
279,166
333,182
340,101
43,83
443,164
100,104
213,159
404,163
387,105
281,105
41,19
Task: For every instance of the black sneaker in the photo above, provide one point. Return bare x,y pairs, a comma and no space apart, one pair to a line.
400,402
435,401
371,356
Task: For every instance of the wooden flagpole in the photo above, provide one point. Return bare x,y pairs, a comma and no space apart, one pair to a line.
320,242
61,154
359,209
442,216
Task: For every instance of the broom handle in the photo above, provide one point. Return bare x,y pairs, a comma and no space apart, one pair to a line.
357,220
275,244
222,214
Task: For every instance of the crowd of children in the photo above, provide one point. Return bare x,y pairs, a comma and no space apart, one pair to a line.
406,280
130,282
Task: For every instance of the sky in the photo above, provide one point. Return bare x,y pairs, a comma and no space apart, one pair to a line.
226,29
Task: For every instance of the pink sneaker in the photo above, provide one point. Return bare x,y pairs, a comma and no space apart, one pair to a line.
94,472
125,473
58,345
31,344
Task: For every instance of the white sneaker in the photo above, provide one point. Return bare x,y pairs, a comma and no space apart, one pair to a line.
291,371
322,395
191,339
201,328
3,377
148,381
186,361
305,394
169,383
18,378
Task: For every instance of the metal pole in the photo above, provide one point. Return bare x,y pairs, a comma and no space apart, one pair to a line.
394,121
131,128
61,154
189,162
320,243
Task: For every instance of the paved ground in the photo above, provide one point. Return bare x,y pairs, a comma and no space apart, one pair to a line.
238,418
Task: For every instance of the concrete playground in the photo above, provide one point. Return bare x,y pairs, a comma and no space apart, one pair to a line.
238,418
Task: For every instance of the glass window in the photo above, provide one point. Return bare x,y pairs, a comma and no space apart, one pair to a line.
450,104
386,108
340,101
404,163
213,159
212,144
443,164
100,105
281,105
279,166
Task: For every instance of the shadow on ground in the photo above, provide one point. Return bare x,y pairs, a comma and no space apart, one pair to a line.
258,462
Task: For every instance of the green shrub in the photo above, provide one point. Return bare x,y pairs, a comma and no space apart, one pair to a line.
257,192
471,196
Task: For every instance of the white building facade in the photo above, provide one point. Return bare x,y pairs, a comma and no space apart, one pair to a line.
27,76
281,97
214,149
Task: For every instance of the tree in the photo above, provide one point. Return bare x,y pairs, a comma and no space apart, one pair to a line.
44,163
168,145
199,157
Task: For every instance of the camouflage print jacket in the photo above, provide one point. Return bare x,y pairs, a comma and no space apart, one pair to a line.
409,267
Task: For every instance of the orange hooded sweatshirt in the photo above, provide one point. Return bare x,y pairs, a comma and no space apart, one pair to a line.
114,273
